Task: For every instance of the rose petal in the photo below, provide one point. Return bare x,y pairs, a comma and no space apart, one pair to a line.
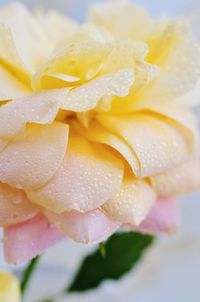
96,133
39,108
91,227
33,157
87,96
192,97
121,18
80,55
18,42
164,217
180,180
59,27
158,144
176,51
15,206
88,176
132,203
25,241
11,87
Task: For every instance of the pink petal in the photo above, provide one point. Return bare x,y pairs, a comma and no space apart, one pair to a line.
91,227
180,180
15,206
24,241
164,217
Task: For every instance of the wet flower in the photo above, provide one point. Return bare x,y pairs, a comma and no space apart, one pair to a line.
96,130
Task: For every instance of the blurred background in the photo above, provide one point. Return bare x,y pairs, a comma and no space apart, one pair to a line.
171,270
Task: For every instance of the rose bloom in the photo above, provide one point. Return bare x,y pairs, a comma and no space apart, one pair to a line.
9,288
95,127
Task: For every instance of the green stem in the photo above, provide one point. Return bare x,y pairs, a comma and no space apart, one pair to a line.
28,273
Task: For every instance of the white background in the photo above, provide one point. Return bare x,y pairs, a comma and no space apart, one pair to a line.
170,272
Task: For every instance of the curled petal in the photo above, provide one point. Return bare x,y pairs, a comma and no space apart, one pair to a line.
34,156
180,180
40,108
132,203
176,51
88,176
79,59
25,241
87,96
90,227
96,133
15,206
175,113
157,144
164,217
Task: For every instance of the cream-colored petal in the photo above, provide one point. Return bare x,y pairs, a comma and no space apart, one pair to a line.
15,206
23,45
96,133
87,96
88,176
176,114
132,203
89,228
177,53
180,180
34,156
11,87
56,26
40,108
192,98
121,18
81,56
158,144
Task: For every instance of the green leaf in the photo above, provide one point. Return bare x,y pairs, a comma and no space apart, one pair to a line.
123,251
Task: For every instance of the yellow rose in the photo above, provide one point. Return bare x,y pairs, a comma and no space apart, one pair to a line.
9,288
95,125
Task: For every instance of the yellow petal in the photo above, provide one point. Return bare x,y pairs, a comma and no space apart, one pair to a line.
180,180
40,108
82,54
132,203
121,18
127,53
158,144
96,133
176,114
87,96
88,176
11,87
177,53
9,288
22,47
33,157
55,25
